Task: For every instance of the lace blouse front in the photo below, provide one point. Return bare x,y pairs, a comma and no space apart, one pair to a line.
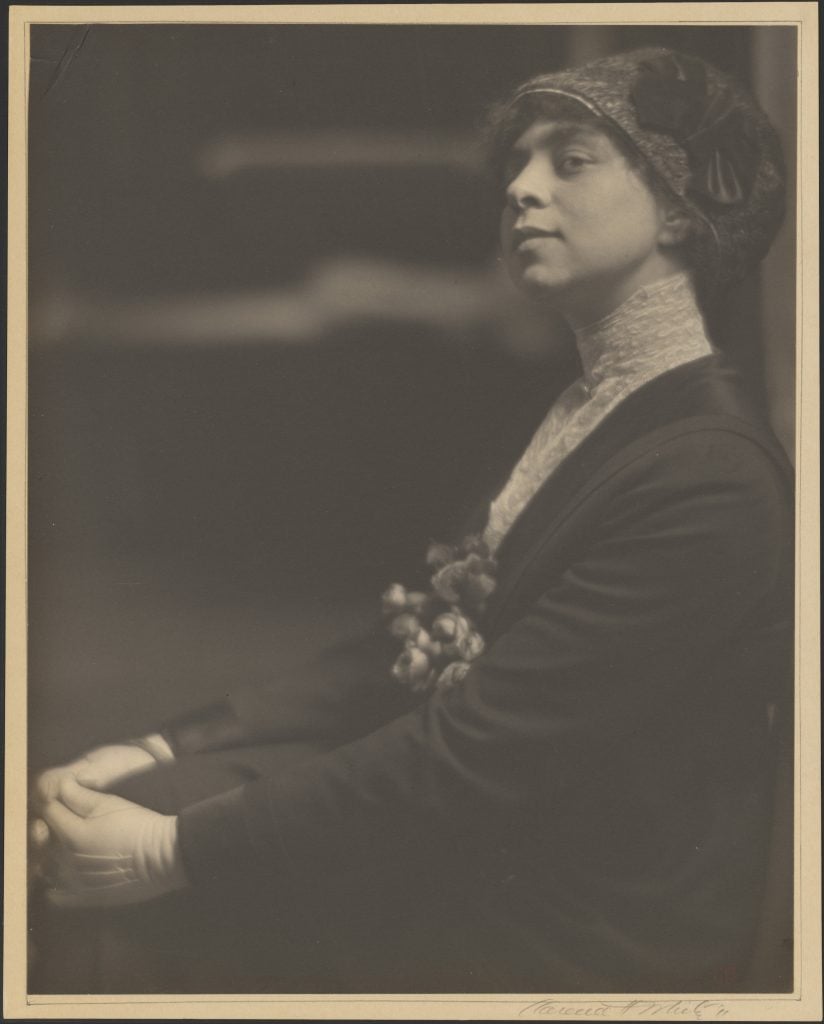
656,329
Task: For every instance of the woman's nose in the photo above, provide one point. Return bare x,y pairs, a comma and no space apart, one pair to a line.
531,187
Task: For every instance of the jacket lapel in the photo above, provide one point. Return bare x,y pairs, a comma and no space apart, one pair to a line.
705,390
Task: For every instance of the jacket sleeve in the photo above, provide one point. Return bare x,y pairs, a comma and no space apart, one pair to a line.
345,692
690,548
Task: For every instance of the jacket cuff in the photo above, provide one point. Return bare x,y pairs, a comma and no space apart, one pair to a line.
222,838
214,727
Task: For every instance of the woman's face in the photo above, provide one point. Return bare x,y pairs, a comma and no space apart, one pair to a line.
580,229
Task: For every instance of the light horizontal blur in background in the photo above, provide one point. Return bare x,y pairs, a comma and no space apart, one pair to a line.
271,353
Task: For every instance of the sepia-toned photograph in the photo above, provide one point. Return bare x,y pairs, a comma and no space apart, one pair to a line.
411,545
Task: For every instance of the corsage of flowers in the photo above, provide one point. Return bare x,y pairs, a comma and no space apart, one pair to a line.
438,630
672,95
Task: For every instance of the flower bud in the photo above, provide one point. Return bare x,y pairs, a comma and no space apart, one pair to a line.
449,626
470,645
423,640
477,589
435,651
404,626
447,582
452,674
420,639
416,602
439,555
474,544
393,599
412,668
477,564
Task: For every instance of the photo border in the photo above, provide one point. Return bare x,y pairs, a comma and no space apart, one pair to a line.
804,1002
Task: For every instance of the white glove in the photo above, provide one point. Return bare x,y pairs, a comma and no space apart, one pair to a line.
103,767
109,851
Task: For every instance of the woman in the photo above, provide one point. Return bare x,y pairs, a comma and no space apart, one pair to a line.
564,782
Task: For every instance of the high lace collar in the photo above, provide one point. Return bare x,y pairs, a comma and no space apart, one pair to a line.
657,326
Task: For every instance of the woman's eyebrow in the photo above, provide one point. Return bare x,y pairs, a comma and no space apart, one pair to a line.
559,135
564,133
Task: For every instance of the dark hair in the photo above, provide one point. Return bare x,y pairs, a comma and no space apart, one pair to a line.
506,122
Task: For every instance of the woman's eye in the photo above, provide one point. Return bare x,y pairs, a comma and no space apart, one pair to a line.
572,163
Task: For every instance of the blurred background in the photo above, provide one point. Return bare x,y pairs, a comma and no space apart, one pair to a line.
271,354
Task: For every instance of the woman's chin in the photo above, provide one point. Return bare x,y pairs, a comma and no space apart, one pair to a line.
543,286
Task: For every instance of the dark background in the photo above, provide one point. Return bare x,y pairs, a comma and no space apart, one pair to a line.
206,514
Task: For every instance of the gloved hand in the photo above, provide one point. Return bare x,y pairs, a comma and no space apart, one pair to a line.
109,851
103,767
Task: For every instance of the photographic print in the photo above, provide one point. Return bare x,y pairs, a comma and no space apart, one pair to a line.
408,605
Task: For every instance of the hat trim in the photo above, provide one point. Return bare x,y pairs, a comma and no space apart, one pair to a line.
592,107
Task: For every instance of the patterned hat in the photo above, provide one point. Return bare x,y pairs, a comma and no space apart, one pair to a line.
701,134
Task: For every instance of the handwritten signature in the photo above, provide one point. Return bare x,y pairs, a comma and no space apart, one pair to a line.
694,1009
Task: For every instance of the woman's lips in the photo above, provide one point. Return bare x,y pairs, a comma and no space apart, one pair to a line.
522,236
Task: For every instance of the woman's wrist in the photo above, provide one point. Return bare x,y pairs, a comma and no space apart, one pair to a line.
212,727
170,859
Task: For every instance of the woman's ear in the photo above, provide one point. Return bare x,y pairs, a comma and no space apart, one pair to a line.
675,227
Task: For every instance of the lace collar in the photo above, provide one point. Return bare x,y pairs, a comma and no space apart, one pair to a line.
657,327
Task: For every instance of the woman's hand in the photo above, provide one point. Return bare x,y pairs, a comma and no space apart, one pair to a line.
103,767
108,851
99,769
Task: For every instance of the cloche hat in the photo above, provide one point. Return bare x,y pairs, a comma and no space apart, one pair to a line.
701,134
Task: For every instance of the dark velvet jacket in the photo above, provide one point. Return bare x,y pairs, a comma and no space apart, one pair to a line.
592,803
